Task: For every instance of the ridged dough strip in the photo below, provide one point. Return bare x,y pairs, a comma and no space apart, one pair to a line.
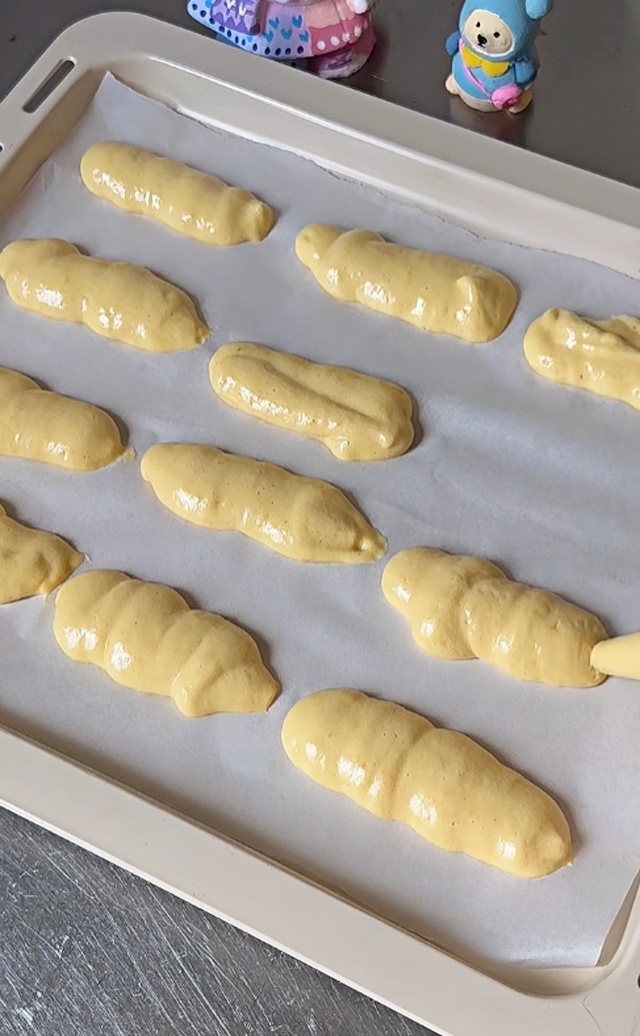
600,356
146,637
356,416
188,201
437,293
36,424
32,561
305,519
118,300
465,607
455,794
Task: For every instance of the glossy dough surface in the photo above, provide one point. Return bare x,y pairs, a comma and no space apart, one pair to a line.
191,202
601,356
120,301
31,561
465,607
36,424
397,765
304,519
145,636
356,416
437,293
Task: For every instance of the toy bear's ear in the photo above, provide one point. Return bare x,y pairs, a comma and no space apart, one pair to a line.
537,9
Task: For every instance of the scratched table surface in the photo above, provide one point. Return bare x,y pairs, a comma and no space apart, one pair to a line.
89,949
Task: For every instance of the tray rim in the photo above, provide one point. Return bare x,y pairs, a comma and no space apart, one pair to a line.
424,985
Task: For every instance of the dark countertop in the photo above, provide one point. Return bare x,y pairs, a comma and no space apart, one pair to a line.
89,949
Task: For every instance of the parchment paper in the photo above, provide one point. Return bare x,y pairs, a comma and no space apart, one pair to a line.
540,479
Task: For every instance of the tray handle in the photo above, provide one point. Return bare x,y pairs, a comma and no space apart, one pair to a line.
52,82
31,99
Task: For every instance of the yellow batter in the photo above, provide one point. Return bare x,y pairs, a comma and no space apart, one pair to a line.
356,416
433,292
601,356
117,300
454,793
190,202
39,425
145,636
31,561
465,607
302,518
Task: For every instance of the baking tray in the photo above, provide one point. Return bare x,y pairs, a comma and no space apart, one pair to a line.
432,165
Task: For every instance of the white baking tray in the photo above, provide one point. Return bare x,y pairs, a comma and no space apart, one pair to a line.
468,179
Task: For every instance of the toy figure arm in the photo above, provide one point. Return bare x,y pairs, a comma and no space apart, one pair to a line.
525,71
451,44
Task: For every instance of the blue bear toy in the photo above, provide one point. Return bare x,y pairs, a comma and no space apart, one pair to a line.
494,59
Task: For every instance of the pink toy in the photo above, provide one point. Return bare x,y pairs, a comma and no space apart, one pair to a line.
333,37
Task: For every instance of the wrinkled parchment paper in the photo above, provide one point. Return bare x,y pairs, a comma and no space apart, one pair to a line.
540,479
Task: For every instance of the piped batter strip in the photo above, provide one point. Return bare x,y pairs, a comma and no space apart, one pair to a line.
145,637
192,203
464,607
436,293
36,424
601,356
356,416
455,794
117,300
305,519
31,561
